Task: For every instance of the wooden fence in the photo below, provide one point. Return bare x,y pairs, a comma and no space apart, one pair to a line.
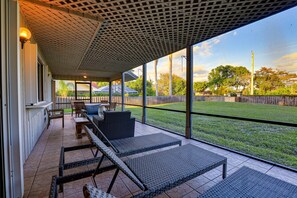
274,100
64,102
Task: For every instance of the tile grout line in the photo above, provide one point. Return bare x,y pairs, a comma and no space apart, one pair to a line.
44,133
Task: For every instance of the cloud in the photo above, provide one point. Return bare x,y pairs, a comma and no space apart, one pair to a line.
216,41
178,54
204,49
287,63
200,73
200,77
200,70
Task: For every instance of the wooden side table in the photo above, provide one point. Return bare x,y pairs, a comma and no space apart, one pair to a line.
78,125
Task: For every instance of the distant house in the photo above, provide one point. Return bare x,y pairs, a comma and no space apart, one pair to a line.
115,89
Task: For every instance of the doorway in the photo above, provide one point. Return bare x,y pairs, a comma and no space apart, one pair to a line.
83,91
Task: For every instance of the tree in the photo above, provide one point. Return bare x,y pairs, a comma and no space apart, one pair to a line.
224,79
266,80
270,81
219,76
241,78
63,88
178,85
149,88
102,84
137,85
200,87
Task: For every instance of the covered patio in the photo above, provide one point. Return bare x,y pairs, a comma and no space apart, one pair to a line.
43,163
103,41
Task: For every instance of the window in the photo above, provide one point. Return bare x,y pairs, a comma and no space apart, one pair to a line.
40,81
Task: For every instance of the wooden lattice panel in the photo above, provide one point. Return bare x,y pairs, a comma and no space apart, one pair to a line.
63,38
138,31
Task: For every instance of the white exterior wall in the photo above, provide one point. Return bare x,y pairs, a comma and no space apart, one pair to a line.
34,118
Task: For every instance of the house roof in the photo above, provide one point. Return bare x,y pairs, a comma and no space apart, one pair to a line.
116,88
102,39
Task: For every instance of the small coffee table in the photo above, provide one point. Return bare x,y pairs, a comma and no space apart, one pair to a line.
78,125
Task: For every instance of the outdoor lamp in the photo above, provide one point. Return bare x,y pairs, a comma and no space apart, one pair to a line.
25,35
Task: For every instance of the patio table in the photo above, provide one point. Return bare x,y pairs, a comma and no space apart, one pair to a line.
79,122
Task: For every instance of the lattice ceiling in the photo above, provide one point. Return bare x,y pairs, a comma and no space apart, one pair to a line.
137,31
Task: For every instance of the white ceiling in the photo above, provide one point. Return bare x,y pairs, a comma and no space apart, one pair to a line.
101,38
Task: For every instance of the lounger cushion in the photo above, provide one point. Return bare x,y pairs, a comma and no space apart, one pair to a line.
92,109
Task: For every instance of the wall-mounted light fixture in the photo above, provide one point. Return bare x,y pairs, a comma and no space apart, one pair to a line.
85,76
25,35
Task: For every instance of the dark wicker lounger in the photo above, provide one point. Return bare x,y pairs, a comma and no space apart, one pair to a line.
161,171
122,147
247,183
87,189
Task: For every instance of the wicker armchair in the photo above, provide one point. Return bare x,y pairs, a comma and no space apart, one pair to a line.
116,125
78,106
72,105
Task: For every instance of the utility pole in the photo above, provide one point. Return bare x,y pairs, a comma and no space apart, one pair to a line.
252,74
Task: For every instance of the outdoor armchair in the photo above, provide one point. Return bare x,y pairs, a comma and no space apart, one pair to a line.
116,124
72,105
54,114
78,107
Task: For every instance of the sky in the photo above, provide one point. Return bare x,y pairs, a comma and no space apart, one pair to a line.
273,40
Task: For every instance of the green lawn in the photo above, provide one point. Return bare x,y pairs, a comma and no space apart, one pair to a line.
267,141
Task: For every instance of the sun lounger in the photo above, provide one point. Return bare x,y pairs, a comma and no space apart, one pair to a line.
244,183
88,190
122,147
247,183
161,171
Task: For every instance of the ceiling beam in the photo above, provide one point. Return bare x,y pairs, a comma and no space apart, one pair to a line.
90,43
65,10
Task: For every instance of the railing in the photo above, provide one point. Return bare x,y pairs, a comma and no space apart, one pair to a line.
65,102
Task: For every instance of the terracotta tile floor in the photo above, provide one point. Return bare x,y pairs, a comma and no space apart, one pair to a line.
42,164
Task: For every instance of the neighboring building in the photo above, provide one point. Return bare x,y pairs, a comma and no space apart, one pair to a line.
115,89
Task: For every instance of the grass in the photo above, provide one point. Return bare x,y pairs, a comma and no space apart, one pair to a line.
267,141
